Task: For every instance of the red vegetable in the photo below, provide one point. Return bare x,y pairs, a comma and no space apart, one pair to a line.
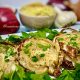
58,3
8,21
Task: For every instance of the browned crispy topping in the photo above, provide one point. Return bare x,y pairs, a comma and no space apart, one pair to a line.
67,64
68,50
57,72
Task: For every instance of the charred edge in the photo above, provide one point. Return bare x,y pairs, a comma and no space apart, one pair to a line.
67,64
7,43
68,28
19,49
71,52
57,72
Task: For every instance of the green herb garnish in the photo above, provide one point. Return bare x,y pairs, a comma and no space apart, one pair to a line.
26,48
66,75
34,59
73,43
26,51
60,39
25,35
42,55
9,53
70,74
43,76
14,38
20,74
44,47
28,45
73,38
51,36
41,33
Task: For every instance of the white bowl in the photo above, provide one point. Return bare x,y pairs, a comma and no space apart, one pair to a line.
37,21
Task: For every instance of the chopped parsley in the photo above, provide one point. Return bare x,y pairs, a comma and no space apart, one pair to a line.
73,38
44,47
8,53
42,55
34,59
26,48
73,43
60,39
28,45
26,51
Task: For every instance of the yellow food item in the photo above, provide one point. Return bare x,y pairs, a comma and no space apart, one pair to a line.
37,9
38,55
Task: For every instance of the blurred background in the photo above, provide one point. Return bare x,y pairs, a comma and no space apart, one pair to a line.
18,3
63,5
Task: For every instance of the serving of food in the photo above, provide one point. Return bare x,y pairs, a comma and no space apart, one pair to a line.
37,15
44,54
37,9
39,55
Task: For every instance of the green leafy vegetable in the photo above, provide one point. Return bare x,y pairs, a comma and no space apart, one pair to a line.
55,32
66,75
28,75
14,38
25,35
47,77
20,74
70,74
1,40
52,34
77,72
41,34
37,77
43,76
